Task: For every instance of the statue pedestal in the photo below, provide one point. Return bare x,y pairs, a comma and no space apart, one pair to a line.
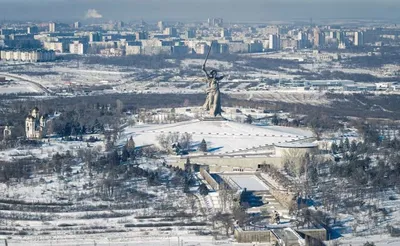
211,118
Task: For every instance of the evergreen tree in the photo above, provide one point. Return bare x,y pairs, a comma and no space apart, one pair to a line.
275,120
334,148
353,146
188,165
203,146
346,144
341,145
130,143
125,154
248,119
113,159
203,190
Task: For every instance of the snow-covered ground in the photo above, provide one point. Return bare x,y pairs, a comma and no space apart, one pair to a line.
68,75
147,238
222,137
49,148
378,240
18,87
48,209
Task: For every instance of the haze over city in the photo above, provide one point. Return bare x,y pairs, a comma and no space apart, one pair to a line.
185,10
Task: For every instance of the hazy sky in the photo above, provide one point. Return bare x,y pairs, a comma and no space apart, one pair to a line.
230,10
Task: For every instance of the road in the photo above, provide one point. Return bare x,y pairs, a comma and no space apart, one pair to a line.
44,89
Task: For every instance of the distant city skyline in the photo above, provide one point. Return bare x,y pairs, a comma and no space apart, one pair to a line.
196,10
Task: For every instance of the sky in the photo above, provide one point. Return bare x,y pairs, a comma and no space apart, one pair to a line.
197,10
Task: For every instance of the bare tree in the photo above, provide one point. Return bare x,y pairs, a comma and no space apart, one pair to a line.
226,220
120,106
186,140
193,203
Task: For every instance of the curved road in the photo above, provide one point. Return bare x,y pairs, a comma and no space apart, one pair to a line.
44,89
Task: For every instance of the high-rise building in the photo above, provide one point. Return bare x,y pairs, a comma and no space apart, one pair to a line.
319,38
255,46
77,25
340,36
201,48
225,33
52,27
302,40
171,31
32,30
160,26
274,42
223,48
120,24
358,38
141,35
332,35
191,33
95,37
77,48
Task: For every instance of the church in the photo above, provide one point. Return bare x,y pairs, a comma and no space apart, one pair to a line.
35,125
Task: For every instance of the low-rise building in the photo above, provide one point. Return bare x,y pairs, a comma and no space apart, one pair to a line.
361,87
133,50
56,46
112,52
27,55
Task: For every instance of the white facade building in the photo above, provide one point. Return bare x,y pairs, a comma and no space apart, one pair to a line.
77,48
358,38
274,42
52,27
56,46
35,125
27,55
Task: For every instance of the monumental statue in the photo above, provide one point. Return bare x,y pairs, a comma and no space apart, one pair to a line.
213,100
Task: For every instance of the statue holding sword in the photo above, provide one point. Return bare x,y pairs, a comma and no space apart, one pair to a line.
213,100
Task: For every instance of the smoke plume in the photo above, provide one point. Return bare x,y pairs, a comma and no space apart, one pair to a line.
93,14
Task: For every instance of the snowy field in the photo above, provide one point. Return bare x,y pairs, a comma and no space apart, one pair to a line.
18,87
48,149
123,239
250,182
61,75
222,137
284,95
378,240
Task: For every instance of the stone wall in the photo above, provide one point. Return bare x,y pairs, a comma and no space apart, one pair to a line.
228,163
210,180
283,197
319,234
252,236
